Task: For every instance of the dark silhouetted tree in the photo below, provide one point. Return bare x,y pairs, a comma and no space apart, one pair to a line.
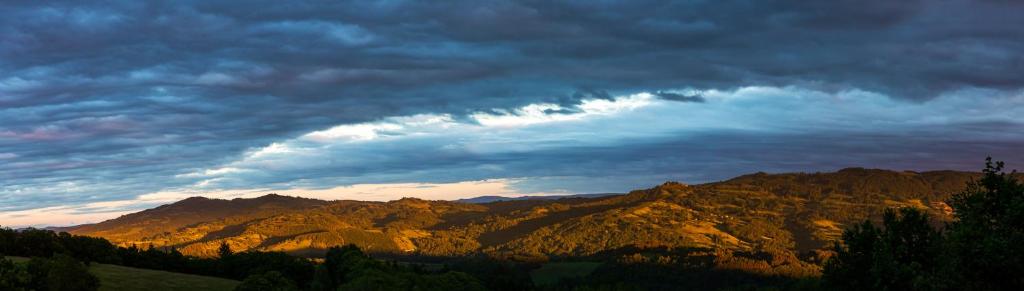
224,251
13,277
66,273
985,242
902,255
981,249
322,279
61,272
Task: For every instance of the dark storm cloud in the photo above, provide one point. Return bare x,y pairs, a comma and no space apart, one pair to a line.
719,156
690,97
125,93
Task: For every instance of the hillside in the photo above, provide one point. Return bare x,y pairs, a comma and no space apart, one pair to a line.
489,199
169,218
776,213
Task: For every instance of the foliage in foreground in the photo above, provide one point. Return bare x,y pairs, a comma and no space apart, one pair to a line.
348,268
61,272
38,243
982,249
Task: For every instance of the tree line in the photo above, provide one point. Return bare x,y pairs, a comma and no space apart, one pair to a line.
60,258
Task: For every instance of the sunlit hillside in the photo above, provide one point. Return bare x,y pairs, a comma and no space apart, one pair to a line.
783,216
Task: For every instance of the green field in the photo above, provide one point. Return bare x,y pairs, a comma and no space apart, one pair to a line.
115,278
550,273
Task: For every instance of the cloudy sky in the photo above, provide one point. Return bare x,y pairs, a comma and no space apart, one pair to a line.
111,107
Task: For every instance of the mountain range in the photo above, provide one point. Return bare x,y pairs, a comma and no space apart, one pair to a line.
796,213
489,199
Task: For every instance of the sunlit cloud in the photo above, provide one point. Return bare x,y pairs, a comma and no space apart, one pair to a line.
547,112
99,211
441,148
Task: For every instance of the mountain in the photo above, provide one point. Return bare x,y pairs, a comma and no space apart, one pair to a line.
784,214
166,219
489,199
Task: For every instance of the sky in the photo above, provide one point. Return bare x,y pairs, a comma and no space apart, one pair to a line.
111,107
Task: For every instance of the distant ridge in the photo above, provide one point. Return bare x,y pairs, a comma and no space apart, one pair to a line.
493,198
191,211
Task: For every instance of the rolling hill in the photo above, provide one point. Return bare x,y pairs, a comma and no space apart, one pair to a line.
189,212
795,214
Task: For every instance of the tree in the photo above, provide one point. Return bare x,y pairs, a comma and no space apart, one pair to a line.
348,268
67,274
902,255
13,277
224,251
269,281
985,242
496,274
8,240
62,273
375,280
37,243
321,279
981,249
344,263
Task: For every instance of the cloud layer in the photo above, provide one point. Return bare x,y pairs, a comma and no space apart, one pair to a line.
114,101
